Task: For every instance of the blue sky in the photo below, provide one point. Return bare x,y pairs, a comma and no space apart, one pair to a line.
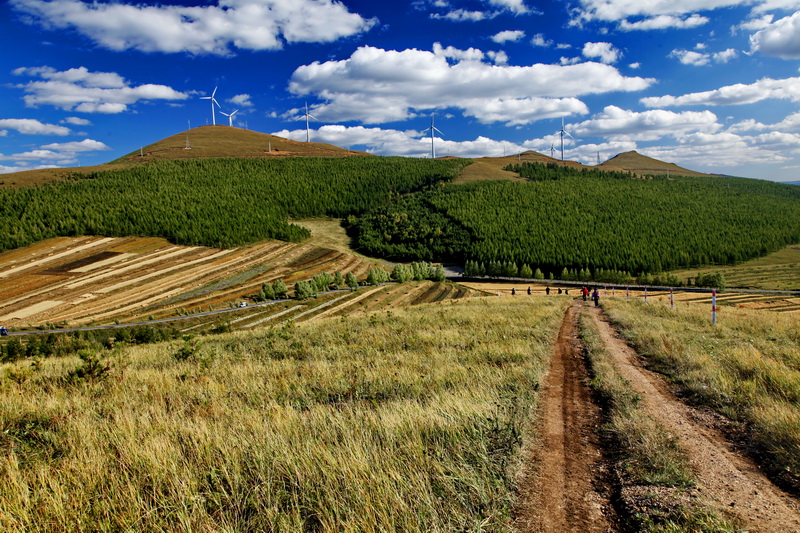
712,85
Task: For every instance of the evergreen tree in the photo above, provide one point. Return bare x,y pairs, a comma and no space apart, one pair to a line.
439,273
526,272
338,280
303,290
538,274
279,288
351,281
266,293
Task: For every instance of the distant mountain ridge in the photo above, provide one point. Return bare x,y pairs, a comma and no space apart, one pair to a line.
230,142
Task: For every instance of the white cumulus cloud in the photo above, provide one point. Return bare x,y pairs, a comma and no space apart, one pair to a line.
699,59
77,121
376,86
241,100
86,145
210,29
409,143
622,124
780,38
29,126
737,94
508,35
662,22
78,89
605,52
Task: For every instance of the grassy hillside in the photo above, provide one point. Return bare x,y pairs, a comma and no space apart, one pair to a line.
225,141
747,367
776,271
399,421
641,164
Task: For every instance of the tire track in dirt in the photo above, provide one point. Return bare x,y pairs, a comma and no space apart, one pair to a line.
726,479
560,494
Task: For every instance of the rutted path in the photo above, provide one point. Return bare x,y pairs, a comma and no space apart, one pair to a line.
566,492
726,479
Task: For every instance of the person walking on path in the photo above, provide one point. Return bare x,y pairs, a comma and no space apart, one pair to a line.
584,292
596,297
547,291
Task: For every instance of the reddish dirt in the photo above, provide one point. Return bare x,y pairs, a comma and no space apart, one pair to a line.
726,479
560,493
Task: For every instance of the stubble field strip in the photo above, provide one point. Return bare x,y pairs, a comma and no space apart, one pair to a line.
409,422
114,278
410,296
36,262
355,298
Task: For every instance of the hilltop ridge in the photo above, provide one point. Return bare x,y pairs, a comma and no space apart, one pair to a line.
637,163
227,141
231,142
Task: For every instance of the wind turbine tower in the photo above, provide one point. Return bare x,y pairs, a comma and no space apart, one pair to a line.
213,101
433,129
563,132
230,117
308,128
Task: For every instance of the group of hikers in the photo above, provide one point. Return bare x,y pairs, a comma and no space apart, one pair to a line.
585,292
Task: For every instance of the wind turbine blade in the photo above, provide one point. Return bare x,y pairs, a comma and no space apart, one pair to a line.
437,129
234,112
215,101
214,93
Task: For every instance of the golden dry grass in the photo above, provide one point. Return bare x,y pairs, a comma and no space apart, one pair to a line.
747,367
777,271
404,421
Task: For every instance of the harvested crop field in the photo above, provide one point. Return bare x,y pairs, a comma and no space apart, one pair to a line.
101,279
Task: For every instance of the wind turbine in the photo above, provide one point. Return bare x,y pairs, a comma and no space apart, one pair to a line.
230,117
213,101
552,151
563,132
308,128
433,129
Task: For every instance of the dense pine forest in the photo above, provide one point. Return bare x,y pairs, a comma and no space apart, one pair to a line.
398,208
212,202
590,220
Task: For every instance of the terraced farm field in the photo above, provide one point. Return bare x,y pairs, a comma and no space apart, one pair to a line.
100,279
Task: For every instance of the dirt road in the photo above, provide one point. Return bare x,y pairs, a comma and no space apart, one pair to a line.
565,485
566,491
726,480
